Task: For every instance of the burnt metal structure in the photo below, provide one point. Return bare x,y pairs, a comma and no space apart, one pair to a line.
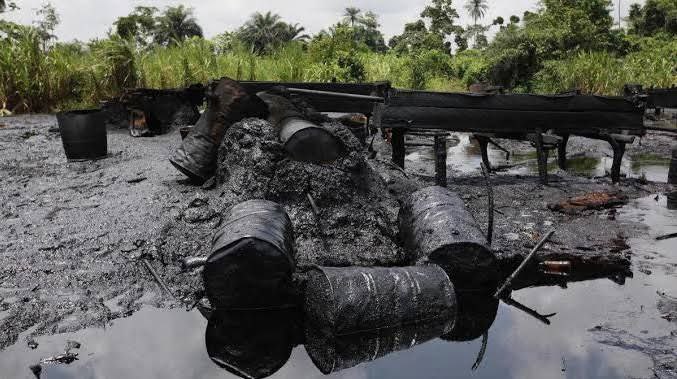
547,121
164,108
672,174
662,98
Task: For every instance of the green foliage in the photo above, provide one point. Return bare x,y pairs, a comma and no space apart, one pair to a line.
175,25
264,32
656,16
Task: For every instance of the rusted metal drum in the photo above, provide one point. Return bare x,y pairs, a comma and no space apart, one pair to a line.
252,259
83,133
436,227
350,300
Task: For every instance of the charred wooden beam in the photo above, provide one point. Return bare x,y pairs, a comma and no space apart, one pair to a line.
511,121
441,160
662,98
398,146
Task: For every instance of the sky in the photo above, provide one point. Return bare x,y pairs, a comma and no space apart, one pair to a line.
88,19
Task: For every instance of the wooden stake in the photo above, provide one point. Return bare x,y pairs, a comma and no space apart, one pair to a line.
526,261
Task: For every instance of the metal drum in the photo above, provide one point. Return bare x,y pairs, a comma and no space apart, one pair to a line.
350,300
252,259
435,226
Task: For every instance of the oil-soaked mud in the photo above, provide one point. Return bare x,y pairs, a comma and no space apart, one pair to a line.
73,236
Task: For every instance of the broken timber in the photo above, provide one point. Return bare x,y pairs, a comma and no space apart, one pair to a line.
548,121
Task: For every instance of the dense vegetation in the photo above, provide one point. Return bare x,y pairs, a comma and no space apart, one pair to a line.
566,44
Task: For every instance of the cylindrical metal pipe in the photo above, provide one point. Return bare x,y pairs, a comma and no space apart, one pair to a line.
672,174
435,226
350,300
252,259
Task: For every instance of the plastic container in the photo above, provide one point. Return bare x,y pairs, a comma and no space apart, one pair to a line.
83,134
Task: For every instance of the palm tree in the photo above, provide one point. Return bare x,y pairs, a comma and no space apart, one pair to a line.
477,9
262,31
352,15
175,25
293,32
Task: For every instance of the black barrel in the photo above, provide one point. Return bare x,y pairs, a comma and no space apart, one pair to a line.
332,354
83,134
350,300
436,226
253,344
672,174
252,259
305,141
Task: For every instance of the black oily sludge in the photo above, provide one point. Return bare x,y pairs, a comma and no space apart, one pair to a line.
350,300
435,226
252,259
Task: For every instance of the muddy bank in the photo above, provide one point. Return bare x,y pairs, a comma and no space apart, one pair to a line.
74,234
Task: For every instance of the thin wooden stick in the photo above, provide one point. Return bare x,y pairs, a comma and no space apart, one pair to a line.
542,318
526,261
158,279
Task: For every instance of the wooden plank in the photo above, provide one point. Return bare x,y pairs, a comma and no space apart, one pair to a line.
503,121
524,102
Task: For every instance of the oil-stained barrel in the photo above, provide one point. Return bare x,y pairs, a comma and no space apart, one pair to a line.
253,344
435,226
83,134
672,174
350,300
332,354
252,258
305,141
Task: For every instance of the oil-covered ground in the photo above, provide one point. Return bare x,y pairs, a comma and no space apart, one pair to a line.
75,239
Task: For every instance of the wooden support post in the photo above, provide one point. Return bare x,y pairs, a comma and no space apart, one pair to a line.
484,148
542,155
399,150
672,174
441,160
562,152
619,151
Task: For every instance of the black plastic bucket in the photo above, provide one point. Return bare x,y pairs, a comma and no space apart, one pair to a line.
83,134
342,301
252,259
436,227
